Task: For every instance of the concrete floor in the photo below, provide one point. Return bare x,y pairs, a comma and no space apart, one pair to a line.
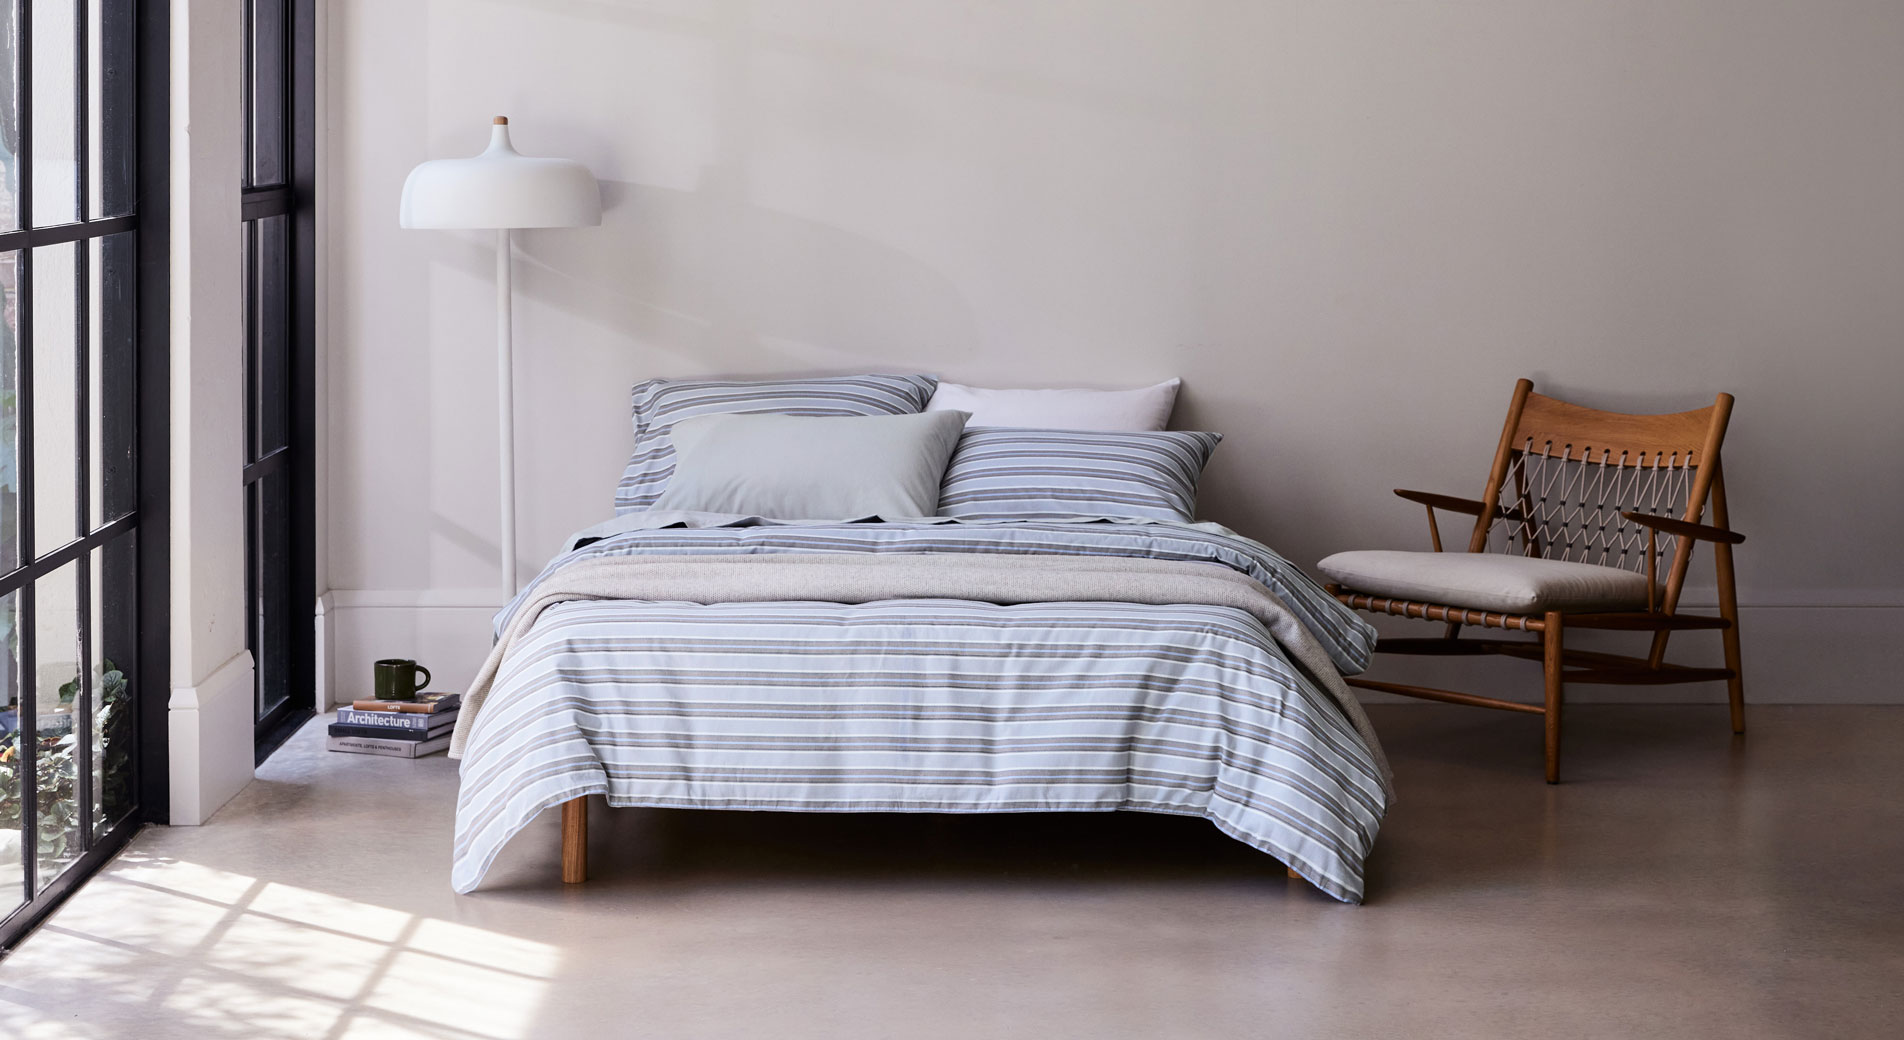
1680,884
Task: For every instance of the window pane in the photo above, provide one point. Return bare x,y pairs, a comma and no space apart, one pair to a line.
9,411
270,507
12,875
53,280
110,107
114,633
270,310
248,304
112,377
267,92
9,130
56,685
54,158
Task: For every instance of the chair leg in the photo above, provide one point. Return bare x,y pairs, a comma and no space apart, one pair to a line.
1729,609
1551,658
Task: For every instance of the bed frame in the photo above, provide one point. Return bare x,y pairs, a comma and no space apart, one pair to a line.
575,843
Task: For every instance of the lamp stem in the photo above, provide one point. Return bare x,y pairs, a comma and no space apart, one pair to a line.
506,411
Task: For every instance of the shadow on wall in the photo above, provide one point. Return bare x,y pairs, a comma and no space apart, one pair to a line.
717,284
679,282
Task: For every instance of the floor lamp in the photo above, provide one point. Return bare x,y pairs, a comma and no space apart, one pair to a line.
502,189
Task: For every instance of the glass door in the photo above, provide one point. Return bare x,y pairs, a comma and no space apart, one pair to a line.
70,486
279,325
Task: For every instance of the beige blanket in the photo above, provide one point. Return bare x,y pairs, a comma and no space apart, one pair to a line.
984,577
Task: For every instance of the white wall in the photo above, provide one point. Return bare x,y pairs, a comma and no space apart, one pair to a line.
1349,225
210,708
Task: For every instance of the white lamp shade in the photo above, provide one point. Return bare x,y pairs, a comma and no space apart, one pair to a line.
501,188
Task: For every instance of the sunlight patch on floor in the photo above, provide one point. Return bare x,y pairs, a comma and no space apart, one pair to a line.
187,950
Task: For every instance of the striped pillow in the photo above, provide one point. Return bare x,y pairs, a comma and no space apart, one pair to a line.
1001,473
660,403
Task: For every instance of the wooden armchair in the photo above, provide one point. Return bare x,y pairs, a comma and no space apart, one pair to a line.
1580,511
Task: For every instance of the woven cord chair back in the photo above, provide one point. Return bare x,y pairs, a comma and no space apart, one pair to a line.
1564,473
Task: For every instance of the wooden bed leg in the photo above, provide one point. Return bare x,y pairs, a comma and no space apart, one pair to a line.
1293,876
575,841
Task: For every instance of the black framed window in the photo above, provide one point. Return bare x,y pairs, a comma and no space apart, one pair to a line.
77,542
279,87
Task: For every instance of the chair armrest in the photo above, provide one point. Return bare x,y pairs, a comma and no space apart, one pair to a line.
1685,528
1448,502
1434,502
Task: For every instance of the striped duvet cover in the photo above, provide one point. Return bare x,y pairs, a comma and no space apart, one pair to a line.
933,705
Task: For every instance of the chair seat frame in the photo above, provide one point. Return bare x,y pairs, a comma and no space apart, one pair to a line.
1530,417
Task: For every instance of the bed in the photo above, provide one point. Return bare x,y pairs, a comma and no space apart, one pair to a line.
1058,664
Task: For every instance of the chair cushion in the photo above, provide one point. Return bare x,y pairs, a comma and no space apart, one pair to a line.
1489,581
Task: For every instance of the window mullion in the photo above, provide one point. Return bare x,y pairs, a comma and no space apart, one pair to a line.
28,573
82,441
23,402
29,720
81,95
83,787
247,104
59,234
23,46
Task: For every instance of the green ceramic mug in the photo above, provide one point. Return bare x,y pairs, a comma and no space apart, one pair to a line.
399,679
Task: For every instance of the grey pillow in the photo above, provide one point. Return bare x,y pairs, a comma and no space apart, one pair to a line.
794,467
660,403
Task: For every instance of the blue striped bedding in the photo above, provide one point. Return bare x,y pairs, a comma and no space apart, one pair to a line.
933,705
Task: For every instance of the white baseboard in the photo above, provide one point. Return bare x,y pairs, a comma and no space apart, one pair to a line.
324,652
1794,654
209,727
444,630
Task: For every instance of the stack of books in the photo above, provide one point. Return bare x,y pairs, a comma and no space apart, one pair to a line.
399,729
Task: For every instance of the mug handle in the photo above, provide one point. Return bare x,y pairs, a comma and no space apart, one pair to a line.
425,681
